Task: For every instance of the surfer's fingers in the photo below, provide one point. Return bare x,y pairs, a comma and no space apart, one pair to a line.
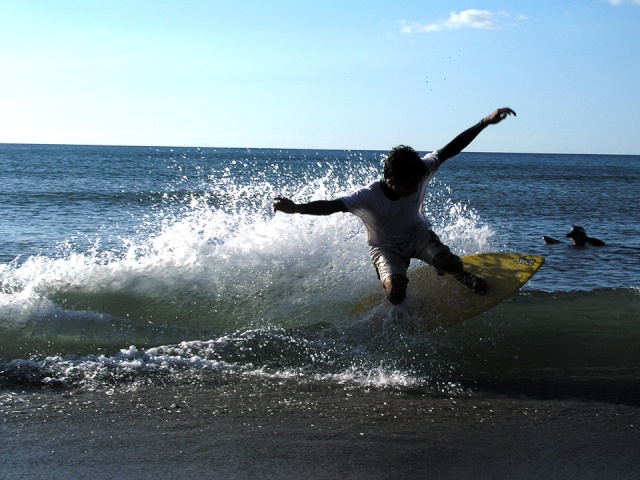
503,113
283,205
281,201
498,115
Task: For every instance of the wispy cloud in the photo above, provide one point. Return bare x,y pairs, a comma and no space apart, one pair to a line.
622,2
478,19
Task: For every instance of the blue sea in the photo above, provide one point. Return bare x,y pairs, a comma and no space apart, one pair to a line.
145,271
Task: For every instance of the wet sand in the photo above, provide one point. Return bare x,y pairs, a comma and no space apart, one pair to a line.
247,428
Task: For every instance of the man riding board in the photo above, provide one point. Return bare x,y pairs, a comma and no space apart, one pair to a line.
391,209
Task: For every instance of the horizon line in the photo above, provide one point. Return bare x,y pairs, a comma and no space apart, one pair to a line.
299,148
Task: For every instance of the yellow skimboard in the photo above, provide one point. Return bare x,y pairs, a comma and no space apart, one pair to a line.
441,301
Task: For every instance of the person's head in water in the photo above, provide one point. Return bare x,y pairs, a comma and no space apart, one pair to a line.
404,170
578,235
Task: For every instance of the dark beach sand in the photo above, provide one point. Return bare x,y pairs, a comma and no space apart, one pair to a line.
243,427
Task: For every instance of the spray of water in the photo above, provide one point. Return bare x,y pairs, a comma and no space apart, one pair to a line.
210,260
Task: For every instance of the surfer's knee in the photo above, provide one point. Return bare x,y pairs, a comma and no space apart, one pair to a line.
446,261
396,287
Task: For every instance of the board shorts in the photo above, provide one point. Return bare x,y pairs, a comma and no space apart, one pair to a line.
423,245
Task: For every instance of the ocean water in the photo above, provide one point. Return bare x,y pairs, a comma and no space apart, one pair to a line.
123,265
156,317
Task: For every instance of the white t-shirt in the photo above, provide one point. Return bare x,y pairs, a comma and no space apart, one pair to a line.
391,222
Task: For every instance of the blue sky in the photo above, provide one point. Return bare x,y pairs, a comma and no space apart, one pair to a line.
321,74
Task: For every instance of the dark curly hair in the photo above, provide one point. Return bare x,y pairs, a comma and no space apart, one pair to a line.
403,163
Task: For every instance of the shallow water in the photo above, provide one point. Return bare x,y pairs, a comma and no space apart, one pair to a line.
128,262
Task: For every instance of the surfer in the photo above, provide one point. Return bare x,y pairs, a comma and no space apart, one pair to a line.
391,209
579,238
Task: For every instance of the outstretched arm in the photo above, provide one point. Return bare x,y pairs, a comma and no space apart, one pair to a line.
459,143
318,207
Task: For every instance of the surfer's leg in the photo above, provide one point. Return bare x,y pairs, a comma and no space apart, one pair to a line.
391,267
428,248
437,254
396,287
447,262
450,263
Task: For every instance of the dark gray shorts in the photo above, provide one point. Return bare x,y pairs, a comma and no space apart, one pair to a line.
423,245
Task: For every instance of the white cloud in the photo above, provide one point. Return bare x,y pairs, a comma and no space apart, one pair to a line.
478,19
622,2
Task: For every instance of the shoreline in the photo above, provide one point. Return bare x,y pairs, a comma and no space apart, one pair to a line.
239,428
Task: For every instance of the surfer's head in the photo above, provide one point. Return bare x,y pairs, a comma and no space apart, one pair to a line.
578,235
403,170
